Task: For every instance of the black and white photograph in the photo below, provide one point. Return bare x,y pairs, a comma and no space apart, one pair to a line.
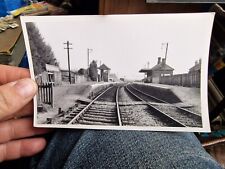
129,72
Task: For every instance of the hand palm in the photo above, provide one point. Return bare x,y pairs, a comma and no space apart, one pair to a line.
14,132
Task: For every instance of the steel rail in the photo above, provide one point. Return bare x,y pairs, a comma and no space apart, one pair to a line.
117,107
155,98
156,109
180,108
85,108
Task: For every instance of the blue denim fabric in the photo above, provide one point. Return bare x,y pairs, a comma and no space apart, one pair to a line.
124,149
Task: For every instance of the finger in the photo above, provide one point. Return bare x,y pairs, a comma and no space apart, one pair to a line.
19,128
15,95
21,148
26,111
10,73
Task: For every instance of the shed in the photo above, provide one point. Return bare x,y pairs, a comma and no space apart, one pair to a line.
75,77
51,75
65,76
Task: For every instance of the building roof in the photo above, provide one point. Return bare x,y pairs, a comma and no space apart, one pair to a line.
144,70
196,67
162,66
103,67
52,68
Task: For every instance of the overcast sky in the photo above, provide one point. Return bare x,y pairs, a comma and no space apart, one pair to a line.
126,43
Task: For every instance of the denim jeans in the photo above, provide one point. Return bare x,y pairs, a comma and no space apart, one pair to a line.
123,149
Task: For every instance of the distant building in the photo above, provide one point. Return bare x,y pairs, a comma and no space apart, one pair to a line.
104,73
157,71
113,77
148,73
195,73
65,76
75,77
196,67
190,79
51,75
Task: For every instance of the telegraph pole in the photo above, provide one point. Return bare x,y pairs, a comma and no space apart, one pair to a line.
88,56
167,44
68,53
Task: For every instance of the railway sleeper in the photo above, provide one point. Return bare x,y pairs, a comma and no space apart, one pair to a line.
125,119
99,116
96,123
73,113
79,109
104,104
102,112
65,121
127,123
100,120
69,117
102,107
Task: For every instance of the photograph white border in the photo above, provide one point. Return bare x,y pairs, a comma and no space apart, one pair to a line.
204,80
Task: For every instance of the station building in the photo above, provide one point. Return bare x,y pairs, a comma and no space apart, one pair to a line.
104,73
159,70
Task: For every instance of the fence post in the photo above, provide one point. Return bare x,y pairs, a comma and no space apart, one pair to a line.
52,96
46,93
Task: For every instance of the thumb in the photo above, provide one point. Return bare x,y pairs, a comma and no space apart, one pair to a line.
15,95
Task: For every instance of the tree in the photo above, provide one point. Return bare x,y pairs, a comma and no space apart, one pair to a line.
41,52
82,71
93,71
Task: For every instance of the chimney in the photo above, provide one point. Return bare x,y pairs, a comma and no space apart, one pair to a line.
163,61
159,60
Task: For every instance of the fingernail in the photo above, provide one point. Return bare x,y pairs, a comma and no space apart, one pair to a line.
25,88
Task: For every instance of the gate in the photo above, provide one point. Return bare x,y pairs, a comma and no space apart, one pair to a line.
45,93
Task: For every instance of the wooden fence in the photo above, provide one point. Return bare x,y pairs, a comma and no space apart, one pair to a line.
45,93
187,80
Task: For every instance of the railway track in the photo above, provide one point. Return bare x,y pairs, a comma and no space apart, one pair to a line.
109,108
98,112
184,117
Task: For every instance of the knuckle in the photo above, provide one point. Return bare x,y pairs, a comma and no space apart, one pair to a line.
11,130
9,103
3,152
5,129
5,105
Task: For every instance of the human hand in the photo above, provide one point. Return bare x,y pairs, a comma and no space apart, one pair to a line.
16,93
